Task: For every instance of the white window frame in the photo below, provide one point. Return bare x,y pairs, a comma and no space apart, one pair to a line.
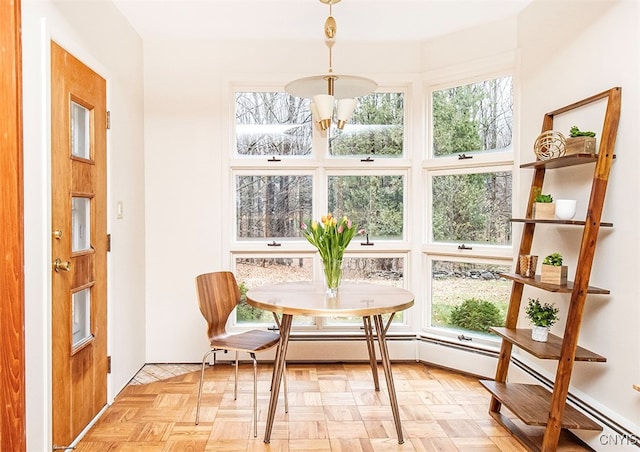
486,69
320,165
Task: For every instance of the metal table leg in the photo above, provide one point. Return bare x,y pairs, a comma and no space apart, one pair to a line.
368,333
278,368
381,331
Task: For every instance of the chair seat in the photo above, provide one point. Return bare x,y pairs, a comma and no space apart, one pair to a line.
247,341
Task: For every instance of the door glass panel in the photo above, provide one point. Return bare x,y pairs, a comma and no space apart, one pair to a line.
80,133
81,315
80,224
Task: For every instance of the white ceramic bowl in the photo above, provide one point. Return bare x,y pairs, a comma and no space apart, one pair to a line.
565,209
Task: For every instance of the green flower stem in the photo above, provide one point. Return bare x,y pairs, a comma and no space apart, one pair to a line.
332,273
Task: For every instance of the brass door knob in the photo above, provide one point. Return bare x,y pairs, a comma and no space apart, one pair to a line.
60,265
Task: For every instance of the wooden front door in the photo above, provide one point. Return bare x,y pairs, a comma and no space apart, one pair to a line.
79,245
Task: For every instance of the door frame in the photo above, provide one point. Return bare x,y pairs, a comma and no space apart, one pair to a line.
12,320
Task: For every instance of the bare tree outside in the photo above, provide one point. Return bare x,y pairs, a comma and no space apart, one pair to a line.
269,207
272,123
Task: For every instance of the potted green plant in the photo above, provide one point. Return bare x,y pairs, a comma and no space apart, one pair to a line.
553,272
580,142
543,207
542,317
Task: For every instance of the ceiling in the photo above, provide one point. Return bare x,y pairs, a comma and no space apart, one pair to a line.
357,20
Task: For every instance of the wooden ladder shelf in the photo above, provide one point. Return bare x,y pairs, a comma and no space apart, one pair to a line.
532,404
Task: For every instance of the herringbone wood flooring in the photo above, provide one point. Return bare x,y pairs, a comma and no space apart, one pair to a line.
332,407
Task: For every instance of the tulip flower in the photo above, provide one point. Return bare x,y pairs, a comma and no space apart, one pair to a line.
331,237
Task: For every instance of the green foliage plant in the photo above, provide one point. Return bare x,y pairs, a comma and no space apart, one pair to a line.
575,132
543,198
554,259
539,314
247,313
476,315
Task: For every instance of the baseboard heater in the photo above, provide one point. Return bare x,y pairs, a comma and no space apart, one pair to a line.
328,337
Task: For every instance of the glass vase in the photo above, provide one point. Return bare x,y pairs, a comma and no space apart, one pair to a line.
332,275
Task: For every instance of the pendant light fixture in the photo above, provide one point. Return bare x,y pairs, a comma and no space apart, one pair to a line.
324,89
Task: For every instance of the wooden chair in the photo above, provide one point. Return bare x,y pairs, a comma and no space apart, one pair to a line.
218,295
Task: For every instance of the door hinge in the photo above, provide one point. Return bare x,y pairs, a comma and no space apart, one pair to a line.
108,364
108,120
108,242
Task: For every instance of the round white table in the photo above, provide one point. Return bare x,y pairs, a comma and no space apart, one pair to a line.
366,300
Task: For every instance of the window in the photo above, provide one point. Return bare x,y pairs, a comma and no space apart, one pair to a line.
360,171
272,124
468,296
256,271
376,128
271,206
379,270
472,207
473,118
372,202
469,176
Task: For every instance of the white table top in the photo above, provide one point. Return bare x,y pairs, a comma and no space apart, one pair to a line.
310,298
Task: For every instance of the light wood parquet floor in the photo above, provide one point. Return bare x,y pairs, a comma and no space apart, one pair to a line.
332,407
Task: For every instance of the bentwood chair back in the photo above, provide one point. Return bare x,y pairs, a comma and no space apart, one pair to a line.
218,295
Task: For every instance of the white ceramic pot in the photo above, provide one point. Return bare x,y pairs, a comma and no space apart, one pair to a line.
565,209
540,333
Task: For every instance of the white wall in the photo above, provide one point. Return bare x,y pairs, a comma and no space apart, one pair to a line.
96,33
566,57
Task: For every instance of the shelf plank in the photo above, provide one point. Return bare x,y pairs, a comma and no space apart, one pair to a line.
566,288
568,222
531,404
531,437
544,350
561,162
